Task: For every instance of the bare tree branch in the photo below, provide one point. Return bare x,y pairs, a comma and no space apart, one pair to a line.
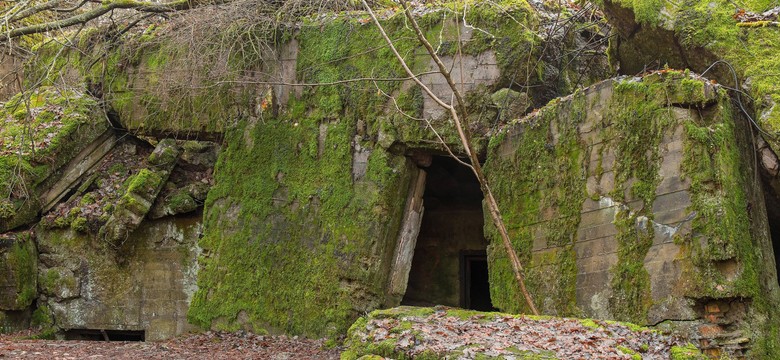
82,18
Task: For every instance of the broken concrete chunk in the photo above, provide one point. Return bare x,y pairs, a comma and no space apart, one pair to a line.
177,202
510,103
141,192
199,153
165,154
69,125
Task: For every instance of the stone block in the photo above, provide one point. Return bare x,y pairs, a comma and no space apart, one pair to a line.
595,247
596,232
672,201
586,266
671,184
598,217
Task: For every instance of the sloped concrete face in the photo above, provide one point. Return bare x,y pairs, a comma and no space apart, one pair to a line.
627,201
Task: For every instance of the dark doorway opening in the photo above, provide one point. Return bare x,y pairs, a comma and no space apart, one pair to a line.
105,335
475,283
775,233
773,220
449,266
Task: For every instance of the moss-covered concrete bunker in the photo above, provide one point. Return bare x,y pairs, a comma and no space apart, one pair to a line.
636,199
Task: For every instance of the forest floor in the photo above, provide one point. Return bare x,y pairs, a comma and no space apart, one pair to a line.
209,345
402,332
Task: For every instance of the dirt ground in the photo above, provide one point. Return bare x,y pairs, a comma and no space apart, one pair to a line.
208,345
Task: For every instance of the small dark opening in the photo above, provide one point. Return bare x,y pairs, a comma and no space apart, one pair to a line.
475,283
773,219
105,335
775,233
449,266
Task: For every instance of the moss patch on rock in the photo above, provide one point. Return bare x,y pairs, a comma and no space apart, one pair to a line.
292,242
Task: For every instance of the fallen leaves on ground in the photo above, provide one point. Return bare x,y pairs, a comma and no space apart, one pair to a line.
455,336
209,345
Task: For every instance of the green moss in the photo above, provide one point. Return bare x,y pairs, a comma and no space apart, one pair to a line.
23,259
181,202
79,224
687,352
590,323
43,321
317,231
144,182
165,154
714,165
640,119
539,187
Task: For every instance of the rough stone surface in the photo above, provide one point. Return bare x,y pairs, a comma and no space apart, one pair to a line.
613,220
149,289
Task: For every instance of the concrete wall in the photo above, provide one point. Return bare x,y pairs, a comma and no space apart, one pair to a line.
634,200
149,290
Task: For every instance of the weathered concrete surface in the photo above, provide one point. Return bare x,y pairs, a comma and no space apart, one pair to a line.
468,71
18,263
85,287
652,229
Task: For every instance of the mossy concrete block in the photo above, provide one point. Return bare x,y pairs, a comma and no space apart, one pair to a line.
657,224
142,190
63,123
178,202
59,282
18,266
87,287
286,219
199,153
165,154
510,103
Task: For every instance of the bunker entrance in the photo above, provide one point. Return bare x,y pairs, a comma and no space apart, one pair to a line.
449,266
